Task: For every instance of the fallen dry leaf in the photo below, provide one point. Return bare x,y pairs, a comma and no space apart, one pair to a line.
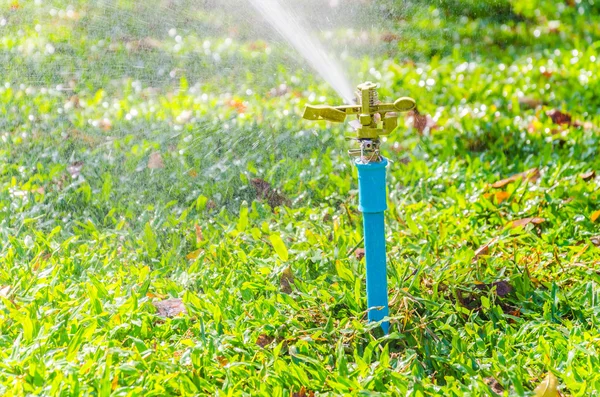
595,215
359,253
548,387
75,168
199,235
501,196
304,393
4,291
529,175
155,161
264,191
105,124
494,385
222,361
484,249
264,340
238,105
390,37
595,240
525,222
530,102
192,256
422,122
559,117
586,176
502,288
170,307
286,281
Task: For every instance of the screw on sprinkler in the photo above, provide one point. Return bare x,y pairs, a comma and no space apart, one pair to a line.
374,119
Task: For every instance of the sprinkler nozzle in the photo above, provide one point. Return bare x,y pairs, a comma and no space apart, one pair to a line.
373,117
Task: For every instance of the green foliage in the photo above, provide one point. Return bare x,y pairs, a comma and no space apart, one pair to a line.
136,167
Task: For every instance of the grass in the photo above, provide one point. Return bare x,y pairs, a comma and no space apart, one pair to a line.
137,166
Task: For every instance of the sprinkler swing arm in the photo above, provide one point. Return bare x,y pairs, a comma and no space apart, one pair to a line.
374,120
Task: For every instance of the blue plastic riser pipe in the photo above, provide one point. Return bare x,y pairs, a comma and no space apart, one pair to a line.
372,199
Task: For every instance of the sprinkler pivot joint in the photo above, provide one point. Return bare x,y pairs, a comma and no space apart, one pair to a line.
374,118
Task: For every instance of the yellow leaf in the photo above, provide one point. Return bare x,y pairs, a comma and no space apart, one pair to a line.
595,215
194,254
279,247
548,387
501,196
188,342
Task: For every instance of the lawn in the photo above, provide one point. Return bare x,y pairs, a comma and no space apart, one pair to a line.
170,226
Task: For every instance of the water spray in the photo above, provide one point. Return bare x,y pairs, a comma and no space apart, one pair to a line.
374,119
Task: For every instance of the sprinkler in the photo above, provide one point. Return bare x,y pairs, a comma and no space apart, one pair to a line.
374,119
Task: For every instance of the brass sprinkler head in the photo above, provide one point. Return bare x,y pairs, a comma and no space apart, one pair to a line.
374,118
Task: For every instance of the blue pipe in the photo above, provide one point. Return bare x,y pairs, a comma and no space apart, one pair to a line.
372,199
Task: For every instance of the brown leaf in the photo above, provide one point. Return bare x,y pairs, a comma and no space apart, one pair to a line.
586,176
530,102
595,215
359,253
484,249
390,37
529,175
525,222
170,307
75,168
595,240
105,124
494,385
145,44
420,121
286,280
264,340
303,393
222,360
559,117
502,288
155,161
199,235
264,191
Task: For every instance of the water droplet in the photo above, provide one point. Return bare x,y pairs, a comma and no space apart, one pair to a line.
28,241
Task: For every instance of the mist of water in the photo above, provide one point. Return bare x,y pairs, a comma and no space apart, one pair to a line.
288,26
